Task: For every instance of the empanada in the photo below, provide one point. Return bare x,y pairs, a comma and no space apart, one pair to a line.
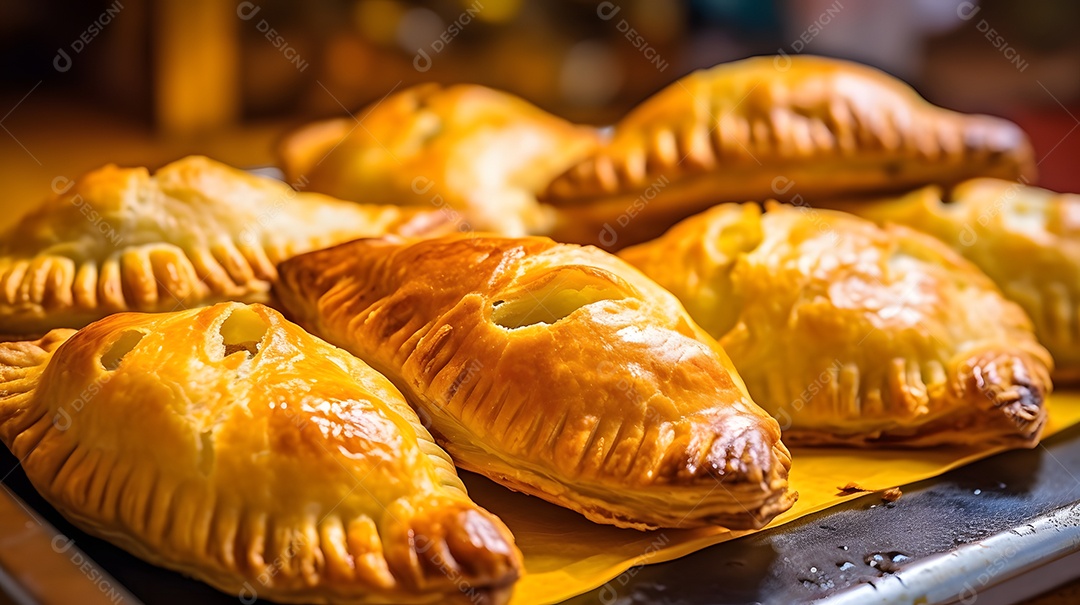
849,333
555,370
796,129
1025,238
480,154
196,232
228,444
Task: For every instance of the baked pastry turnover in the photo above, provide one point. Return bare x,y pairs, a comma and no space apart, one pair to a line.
555,370
853,334
478,154
790,128
230,445
195,232
1025,238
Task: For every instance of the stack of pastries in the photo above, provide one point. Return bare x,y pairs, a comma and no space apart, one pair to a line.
159,394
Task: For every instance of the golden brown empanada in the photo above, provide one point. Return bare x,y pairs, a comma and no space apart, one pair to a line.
196,232
230,445
790,128
1026,239
849,333
479,154
555,370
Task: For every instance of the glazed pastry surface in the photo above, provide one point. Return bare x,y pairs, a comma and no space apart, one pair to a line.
478,154
195,232
555,370
797,128
1027,239
230,445
853,334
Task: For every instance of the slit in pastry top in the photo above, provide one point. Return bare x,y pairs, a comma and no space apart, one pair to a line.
555,370
230,445
853,334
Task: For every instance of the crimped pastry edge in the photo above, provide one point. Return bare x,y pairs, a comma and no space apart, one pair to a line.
23,364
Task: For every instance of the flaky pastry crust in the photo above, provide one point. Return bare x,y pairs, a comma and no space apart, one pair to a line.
853,334
1027,239
555,370
195,232
789,128
479,154
230,445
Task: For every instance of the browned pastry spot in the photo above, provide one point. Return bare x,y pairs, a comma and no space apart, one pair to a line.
853,334
808,130
1025,238
230,445
555,370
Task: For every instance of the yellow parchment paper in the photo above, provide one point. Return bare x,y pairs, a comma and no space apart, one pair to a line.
566,555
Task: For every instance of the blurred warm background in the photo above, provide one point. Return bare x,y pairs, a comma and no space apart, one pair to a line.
142,82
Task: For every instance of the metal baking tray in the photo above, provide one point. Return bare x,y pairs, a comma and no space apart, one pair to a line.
999,530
